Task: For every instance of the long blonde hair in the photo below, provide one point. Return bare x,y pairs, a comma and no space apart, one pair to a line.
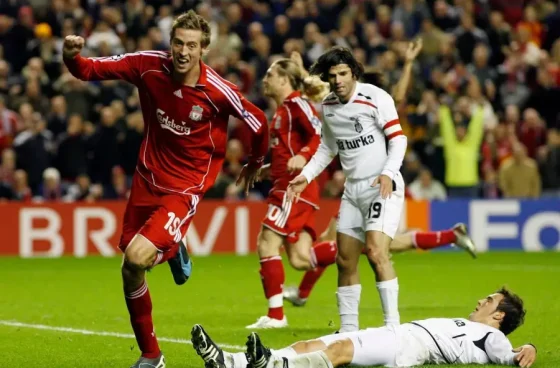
310,86
315,89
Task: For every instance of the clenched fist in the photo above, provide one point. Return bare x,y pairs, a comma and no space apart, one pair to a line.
72,46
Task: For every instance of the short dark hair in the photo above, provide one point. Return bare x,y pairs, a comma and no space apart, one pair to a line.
514,314
335,56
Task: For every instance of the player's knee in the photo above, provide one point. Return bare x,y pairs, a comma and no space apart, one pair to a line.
140,254
340,352
302,347
346,263
377,256
300,261
266,247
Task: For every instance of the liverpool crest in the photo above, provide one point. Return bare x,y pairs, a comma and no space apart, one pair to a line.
196,113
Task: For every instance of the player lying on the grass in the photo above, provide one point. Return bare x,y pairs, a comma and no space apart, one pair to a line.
411,240
480,339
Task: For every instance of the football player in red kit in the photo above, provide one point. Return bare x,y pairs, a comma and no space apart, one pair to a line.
186,106
295,132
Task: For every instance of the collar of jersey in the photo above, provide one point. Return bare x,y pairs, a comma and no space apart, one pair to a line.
293,94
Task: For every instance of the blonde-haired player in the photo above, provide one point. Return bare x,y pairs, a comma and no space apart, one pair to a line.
294,137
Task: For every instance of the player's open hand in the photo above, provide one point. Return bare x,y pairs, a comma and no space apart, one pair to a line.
263,173
296,163
296,187
525,356
72,46
386,185
248,176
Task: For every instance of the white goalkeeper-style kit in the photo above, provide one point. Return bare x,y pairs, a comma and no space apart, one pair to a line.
366,134
429,341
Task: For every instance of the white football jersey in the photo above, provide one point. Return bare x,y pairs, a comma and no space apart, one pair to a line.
358,131
460,341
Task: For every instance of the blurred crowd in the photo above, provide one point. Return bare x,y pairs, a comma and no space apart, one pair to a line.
482,113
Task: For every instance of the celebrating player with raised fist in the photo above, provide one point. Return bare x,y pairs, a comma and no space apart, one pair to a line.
186,106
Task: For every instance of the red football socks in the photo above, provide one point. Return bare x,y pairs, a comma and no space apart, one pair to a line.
273,277
139,306
309,280
434,239
324,255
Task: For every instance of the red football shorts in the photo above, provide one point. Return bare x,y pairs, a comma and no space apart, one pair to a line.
161,217
335,214
289,219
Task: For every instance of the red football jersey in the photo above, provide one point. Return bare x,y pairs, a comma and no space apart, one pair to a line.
185,130
295,129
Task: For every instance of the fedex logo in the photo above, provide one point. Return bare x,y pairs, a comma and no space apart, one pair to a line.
167,123
531,225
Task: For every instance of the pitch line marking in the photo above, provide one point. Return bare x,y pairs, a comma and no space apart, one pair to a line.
103,333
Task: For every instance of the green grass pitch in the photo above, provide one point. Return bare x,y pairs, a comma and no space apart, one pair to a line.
225,295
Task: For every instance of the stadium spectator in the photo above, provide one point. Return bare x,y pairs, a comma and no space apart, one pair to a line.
20,189
71,155
512,49
461,136
9,124
532,132
7,173
516,167
425,187
548,157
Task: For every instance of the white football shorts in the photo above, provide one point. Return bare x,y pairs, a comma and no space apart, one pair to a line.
362,208
388,346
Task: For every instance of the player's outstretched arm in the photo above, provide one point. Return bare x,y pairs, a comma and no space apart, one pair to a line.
525,355
475,131
500,351
399,90
125,67
322,158
446,128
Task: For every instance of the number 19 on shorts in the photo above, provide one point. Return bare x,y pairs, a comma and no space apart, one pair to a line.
374,210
